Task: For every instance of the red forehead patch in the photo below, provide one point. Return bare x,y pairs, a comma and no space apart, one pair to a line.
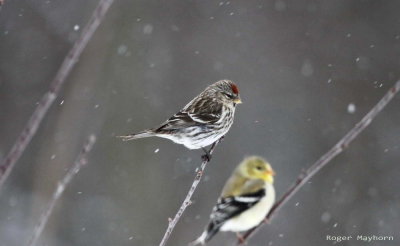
235,89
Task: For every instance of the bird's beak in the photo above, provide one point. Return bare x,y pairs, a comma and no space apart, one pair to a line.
269,175
237,100
270,172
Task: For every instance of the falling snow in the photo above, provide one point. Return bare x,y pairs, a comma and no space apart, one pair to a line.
13,202
351,108
184,47
363,63
280,5
307,69
122,49
175,28
148,29
325,217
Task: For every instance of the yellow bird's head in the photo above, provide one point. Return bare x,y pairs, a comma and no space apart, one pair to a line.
255,167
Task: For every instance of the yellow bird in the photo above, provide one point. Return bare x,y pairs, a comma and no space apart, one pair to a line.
246,199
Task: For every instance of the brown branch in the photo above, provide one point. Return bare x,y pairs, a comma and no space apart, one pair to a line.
31,127
80,161
323,161
172,222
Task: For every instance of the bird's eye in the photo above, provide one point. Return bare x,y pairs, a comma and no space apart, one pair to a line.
230,96
259,168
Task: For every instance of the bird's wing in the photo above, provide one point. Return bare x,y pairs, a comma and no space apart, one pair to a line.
204,111
177,121
228,207
198,113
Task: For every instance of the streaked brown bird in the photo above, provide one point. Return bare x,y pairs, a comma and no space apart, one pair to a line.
203,121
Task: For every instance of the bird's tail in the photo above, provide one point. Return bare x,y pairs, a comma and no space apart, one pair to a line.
143,134
200,240
206,235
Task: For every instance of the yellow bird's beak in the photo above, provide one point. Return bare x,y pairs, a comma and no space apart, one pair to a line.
270,172
237,100
269,176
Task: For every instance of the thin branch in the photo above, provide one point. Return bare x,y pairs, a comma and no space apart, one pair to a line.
80,161
172,222
323,161
47,100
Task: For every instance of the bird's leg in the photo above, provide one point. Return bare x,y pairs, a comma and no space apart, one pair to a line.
206,156
241,239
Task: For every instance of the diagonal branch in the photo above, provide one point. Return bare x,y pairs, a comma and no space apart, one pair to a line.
47,100
172,222
80,161
324,160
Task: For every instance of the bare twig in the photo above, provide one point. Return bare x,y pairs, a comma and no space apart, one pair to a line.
333,152
187,201
33,123
79,162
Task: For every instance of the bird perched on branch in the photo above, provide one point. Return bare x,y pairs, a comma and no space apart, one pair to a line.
246,199
203,121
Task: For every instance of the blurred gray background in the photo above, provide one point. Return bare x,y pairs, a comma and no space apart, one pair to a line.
307,72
